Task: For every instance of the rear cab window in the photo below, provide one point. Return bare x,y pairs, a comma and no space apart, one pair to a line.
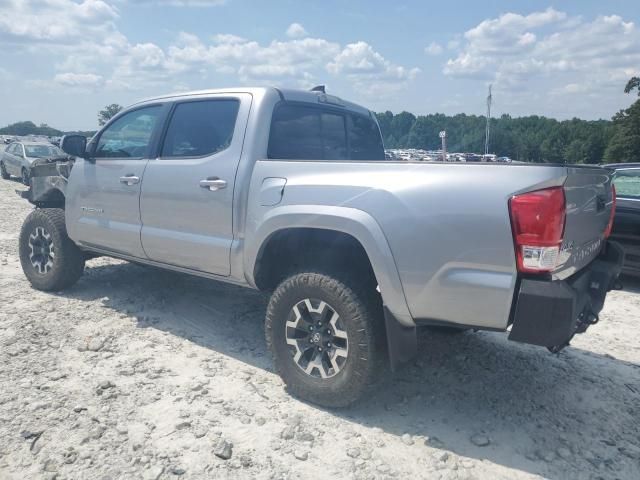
309,132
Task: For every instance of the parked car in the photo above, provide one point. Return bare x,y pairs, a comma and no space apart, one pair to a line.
626,225
289,192
17,158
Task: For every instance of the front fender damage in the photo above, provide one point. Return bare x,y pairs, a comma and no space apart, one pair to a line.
48,182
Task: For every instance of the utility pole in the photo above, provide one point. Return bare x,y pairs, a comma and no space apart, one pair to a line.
443,136
486,133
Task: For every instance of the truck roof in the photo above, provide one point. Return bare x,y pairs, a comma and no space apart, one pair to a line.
288,94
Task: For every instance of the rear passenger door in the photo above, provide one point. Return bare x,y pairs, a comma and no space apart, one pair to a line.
186,203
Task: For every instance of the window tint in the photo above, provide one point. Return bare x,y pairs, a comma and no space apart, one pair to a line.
309,133
364,139
627,183
200,128
295,133
334,137
129,135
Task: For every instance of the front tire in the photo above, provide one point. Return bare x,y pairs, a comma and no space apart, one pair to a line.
3,172
49,258
326,337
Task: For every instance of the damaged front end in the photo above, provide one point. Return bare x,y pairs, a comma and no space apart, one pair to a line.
48,182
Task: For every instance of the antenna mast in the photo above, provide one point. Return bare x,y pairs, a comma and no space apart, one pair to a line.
486,133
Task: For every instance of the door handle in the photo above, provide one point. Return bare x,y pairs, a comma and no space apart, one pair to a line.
213,183
129,180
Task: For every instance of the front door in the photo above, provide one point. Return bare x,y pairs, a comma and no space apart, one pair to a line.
104,191
186,203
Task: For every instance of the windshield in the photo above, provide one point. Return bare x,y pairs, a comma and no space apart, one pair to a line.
39,151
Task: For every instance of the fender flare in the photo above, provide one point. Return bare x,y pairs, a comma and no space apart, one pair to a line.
357,223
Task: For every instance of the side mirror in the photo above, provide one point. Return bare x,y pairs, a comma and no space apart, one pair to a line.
75,145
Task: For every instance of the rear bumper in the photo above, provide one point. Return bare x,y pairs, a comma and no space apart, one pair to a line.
549,313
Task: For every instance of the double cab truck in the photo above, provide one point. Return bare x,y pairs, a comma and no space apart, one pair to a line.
289,192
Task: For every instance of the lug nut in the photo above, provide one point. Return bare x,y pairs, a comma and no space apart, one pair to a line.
319,349
311,328
328,332
328,344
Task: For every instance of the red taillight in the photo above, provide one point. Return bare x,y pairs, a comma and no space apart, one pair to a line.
607,231
537,220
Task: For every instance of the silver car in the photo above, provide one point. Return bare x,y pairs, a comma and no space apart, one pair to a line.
18,157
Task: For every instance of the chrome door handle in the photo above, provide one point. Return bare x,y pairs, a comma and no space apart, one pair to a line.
213,183
129,180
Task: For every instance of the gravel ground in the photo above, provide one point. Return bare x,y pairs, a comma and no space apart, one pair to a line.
139,373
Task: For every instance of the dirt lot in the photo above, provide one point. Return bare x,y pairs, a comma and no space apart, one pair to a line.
139,373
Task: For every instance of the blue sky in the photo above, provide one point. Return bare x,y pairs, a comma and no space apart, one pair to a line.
62,60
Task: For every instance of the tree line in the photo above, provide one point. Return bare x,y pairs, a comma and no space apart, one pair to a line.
30,128
528,139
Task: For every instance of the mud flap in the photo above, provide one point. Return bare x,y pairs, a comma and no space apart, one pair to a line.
402,342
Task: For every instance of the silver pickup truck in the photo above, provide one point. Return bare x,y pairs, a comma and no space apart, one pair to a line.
289,192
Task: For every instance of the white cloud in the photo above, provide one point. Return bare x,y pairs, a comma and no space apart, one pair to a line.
286,61
78,79
361,59
181,3
56,21
565,52
433,48
296,30
88,50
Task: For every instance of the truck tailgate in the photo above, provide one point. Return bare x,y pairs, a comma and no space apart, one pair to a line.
589,202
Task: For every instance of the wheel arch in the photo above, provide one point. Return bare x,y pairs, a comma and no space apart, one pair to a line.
345,226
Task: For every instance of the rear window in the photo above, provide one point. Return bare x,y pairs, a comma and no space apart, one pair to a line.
301,132
364,139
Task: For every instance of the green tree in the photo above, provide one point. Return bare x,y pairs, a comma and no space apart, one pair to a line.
624,145
108,112
634,82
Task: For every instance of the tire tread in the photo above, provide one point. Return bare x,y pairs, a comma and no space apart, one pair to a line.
363,310
69,260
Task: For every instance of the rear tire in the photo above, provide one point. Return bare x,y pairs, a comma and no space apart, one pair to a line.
3,172
49,258
348,353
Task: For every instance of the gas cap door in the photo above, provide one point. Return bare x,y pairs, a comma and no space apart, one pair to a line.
271,191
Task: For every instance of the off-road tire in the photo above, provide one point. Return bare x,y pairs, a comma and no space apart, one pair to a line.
359,308
26,180
68,262
3,172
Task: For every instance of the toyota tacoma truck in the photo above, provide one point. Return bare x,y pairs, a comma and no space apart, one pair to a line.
289,192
